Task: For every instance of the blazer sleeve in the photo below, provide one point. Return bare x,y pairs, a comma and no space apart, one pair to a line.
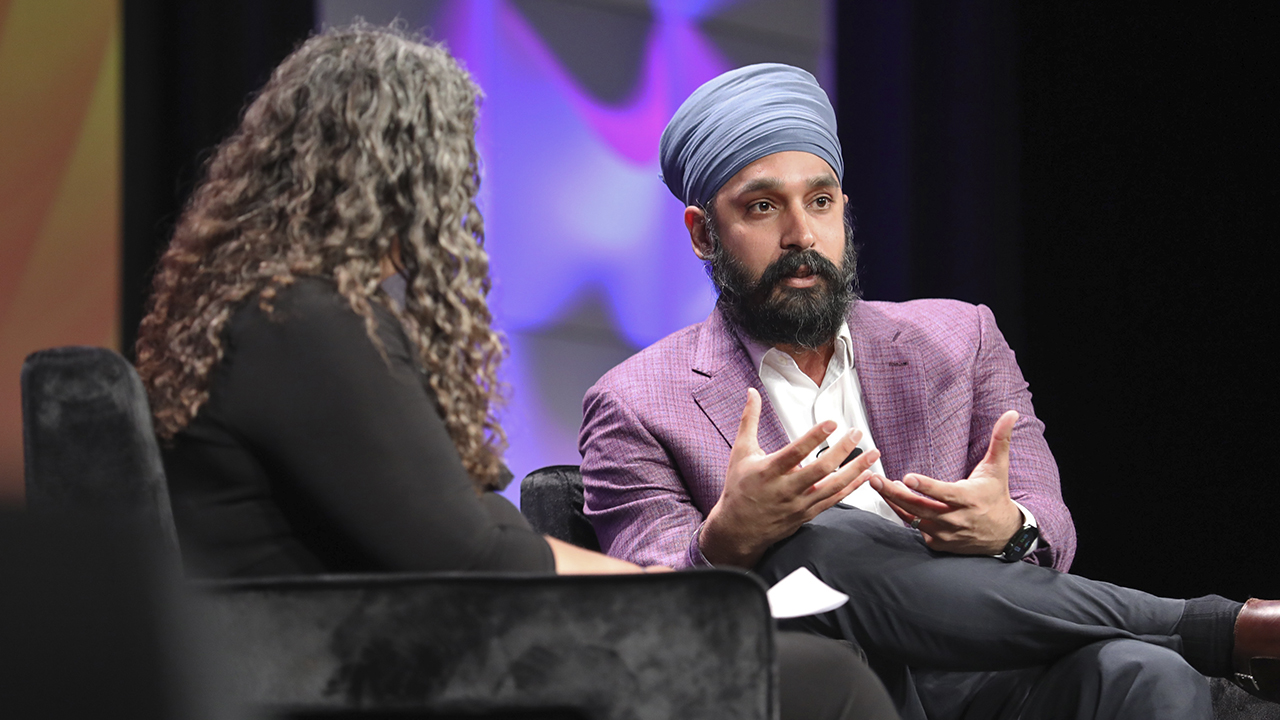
641,509
1033,473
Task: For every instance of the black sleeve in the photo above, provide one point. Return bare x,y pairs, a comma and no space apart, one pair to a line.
361,437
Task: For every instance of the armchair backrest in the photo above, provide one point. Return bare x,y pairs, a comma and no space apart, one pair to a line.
88,441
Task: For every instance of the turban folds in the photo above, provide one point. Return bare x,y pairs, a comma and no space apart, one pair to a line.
738,118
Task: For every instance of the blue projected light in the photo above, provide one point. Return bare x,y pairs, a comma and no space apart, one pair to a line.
572,196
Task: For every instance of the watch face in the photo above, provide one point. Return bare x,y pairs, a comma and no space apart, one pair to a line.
1020,543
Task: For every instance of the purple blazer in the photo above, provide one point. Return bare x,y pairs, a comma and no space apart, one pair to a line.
935,376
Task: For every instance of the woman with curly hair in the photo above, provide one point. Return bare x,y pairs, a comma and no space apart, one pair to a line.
319,353
318,349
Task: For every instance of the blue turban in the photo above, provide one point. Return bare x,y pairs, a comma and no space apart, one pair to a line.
738,118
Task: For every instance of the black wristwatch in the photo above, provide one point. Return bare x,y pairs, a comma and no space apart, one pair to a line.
1019,546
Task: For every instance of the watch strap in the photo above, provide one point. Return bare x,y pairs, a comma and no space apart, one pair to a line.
1019,546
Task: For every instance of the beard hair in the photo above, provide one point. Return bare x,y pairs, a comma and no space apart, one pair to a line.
774,314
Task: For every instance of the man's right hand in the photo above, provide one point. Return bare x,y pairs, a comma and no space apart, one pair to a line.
768,497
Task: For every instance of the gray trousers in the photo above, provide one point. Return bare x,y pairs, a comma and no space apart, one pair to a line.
823,679
975,638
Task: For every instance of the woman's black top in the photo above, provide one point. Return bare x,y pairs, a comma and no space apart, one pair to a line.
314,454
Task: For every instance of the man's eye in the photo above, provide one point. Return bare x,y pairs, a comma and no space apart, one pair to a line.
760,206
822,202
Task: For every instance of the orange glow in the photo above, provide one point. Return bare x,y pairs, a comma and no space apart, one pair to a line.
60,167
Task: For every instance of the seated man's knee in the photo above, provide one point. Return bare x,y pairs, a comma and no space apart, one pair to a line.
1142,661
1133,673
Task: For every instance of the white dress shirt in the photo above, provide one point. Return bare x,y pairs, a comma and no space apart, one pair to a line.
801,404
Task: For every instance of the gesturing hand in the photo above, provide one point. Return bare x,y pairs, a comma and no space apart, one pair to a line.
767,497
974,516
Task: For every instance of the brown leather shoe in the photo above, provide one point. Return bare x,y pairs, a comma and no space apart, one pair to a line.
1257,648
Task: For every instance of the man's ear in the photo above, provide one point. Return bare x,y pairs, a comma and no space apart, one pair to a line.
695,220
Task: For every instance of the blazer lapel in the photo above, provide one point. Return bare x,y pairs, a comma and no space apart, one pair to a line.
890,373
726,367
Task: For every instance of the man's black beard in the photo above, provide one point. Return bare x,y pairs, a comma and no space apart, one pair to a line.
776,314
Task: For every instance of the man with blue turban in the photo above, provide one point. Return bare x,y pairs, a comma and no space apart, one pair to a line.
890,448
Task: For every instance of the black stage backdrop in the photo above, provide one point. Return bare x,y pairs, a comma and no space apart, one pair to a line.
189,67
1101,175
1104,176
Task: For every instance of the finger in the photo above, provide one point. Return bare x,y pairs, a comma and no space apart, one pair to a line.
864,461
840,450
858,467
902,496
840,483
818,507
862,464
927,527
786,459
801,480
746,442
1001,438
903,514
949,493
940,528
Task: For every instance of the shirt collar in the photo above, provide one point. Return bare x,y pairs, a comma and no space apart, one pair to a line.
759,352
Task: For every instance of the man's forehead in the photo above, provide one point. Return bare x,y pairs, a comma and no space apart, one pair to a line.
778,170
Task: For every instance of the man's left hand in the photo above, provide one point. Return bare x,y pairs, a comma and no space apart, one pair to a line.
974,516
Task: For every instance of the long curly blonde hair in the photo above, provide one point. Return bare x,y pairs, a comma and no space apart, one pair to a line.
362,141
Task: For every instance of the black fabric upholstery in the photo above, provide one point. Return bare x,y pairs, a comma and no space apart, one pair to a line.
79,630
551,498
88,441
689,645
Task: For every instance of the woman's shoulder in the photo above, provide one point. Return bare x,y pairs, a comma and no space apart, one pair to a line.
310,311
303,298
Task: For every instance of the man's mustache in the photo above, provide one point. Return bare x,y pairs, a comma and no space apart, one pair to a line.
789,265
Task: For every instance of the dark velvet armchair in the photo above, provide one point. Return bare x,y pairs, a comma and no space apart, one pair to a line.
682,645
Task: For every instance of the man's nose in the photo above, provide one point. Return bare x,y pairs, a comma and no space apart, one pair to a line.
797,231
